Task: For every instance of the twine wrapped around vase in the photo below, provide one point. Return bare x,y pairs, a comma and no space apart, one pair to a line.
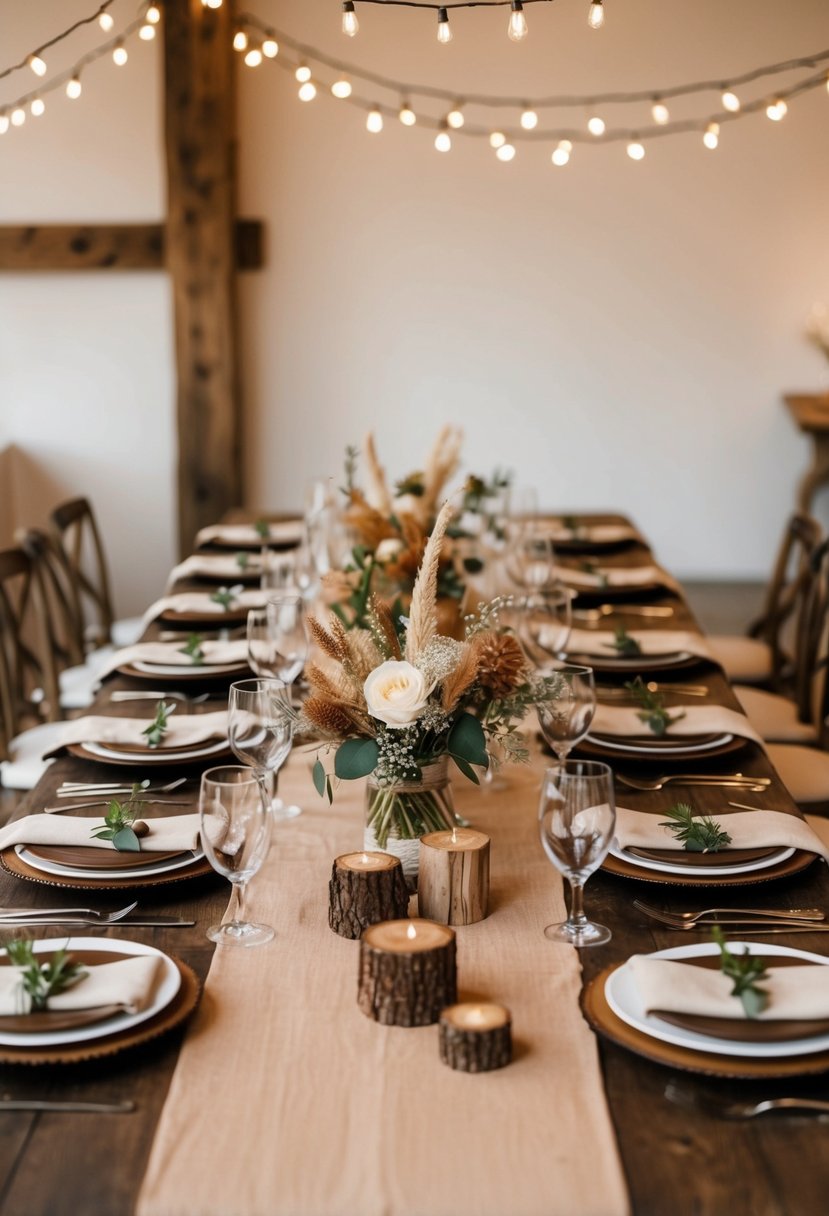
398,815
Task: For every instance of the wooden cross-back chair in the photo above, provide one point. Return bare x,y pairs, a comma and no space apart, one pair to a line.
812,670
28,678
786,596
76,528
64,627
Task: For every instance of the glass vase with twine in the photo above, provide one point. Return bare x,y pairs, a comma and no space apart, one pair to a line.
399,813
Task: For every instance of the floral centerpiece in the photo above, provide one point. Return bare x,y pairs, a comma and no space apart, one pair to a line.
397,700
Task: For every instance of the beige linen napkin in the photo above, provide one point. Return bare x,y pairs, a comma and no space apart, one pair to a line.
610,576
174,834
654,642
284,532
214,565
747,829
596,534
794,992
623,720
130,982
200,601
170,654
183,730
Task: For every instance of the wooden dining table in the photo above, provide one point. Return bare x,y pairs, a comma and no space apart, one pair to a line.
676,1160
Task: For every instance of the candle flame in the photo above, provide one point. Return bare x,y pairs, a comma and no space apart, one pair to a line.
476,1015
411,932
364,859
454,834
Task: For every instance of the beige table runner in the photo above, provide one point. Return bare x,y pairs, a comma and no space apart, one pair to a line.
287,1101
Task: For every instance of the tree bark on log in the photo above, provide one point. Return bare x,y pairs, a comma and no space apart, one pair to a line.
479,1050
453,883
406,987
358,898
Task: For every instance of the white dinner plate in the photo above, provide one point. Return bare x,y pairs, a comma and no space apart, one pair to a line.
167,987
86,872
624,999
178,669
639,662
682,749
667,867
102,752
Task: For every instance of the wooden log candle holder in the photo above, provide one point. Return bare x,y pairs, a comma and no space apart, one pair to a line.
407,972
365,888
453,882
475,1038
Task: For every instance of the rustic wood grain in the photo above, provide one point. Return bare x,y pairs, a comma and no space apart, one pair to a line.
59,247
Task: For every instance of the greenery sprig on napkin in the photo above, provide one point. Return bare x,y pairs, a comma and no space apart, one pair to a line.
653,714
157,729
120,823
571,523
624,645
592,568
700,835
262,528
242,559
745,970
194,648
227,596
42,980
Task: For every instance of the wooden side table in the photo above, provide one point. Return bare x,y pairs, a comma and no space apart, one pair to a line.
810,412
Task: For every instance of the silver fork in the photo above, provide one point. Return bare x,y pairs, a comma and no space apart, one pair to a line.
9,916
753,923
737,781
602,610
126,695
684,690
80,789
723,1108
690,917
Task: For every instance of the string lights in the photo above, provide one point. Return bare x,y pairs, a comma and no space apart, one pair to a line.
517,28
35,61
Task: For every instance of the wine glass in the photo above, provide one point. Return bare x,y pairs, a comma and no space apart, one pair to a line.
235,835
260,643
260,729
289,636
544,623
567,706
529,558
576,819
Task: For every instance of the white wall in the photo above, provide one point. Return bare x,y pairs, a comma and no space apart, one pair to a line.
619,333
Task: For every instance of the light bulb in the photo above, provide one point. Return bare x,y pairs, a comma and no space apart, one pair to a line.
660,112
212,3
455,119
18,116
529,120
341,88
119,55
146,33
37,107
635,150
303,73
443,141
106,22
307,91
777,110
444,28
153,14
517,28
407,115
4,123
73,88
712,135
497,139
350,23
506,152
561,153
595,15
37,65
374,122
596,125
253,57
240,41
730,101
270,48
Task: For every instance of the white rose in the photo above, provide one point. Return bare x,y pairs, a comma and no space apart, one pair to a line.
395,693
388,549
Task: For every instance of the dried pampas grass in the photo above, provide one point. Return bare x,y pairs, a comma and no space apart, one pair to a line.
423,612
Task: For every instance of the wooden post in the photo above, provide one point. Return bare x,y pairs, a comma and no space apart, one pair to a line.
201,189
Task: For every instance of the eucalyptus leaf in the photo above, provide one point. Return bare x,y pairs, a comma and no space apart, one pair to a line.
126,841
318,775
356,758
468,741
466,769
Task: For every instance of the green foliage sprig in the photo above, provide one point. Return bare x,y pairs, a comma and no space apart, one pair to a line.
227,596
624,645
698,835
159,726
592,568
262,528
193,649
40,980
119,822
352,456
653,713
571,523
745,970
242,559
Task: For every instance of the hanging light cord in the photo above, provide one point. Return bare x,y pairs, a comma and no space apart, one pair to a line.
102,8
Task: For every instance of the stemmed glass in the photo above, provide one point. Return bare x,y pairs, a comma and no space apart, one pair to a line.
529,558
544,623
567,707
235,834
576,819
289,637
260,729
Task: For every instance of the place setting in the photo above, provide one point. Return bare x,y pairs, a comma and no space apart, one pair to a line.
631,652
224,609
260,535
196,659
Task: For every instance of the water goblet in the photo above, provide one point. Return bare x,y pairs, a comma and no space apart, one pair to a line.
260,729
235,834
576,819
567,706
544,623
529,557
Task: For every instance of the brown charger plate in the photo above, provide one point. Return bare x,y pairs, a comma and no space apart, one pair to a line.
657,754
13,864
604,1021
727,857
796,864
143,749
179,1009
210,620
629,667
153,759
188,675
87,857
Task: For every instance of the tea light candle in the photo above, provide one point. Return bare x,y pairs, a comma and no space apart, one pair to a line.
475,1037
453,883
407,972
365,888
